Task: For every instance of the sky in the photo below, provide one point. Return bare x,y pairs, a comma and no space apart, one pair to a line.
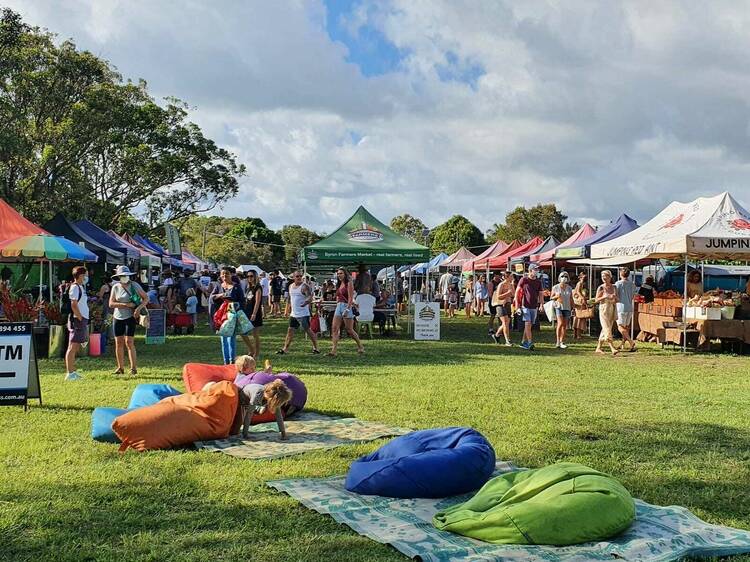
443,107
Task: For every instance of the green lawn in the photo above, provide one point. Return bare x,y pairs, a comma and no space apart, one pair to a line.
674,429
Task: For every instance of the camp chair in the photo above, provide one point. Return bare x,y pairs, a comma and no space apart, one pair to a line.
365,305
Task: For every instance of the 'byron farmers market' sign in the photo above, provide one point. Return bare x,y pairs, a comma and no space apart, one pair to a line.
19,375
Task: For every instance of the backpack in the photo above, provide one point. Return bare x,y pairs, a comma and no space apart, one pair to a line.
65,307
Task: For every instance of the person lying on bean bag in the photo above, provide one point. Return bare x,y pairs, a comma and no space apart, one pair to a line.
259,399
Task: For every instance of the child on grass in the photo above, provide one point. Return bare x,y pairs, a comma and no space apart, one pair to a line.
191,305
452,300
257,398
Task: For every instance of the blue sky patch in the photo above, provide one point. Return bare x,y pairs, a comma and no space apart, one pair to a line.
457,70
368,48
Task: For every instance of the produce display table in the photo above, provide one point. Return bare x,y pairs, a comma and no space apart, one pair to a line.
707,330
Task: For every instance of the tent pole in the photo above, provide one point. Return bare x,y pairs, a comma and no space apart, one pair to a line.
684,307
41,273
50,280
632,321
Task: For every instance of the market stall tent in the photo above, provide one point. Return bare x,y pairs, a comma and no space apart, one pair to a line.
458,258
148,259
581,249
363,239
715,227
544,257
548,245
501,261
15,225
426,267
481,261
106,239
61,226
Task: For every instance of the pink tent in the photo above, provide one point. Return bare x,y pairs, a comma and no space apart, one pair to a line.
480,262
458,258
545,258
14,225
501,261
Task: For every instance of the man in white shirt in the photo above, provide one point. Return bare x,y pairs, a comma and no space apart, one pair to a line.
265,284
300,298
443,286
78,321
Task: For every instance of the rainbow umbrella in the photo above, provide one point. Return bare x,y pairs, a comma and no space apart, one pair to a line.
45,246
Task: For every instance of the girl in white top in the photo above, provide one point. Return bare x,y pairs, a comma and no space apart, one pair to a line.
562,295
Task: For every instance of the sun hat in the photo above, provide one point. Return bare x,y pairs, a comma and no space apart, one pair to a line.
122,270
563,275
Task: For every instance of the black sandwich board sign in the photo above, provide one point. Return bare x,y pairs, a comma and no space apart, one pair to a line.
157,328
19,373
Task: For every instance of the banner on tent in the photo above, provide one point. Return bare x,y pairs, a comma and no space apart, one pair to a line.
173,240
19,374
427,321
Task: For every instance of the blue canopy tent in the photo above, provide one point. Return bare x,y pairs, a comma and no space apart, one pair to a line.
106,239
621,225
61,226
160,251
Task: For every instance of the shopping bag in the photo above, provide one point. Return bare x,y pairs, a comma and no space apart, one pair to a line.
323,324
244,326
549,310
221,315
229,326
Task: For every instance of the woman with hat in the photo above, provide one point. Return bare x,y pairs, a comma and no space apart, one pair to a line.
562,295
124,297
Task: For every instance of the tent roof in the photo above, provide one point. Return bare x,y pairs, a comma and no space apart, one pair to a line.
15,225
586,231
502,260
63,227
458,257
715,227
547,245
433,263
480,262
106,239
621,225
364,239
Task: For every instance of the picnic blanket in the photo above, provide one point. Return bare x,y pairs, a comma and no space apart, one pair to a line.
658,534
306,431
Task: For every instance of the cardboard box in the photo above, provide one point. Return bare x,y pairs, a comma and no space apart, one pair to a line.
700,313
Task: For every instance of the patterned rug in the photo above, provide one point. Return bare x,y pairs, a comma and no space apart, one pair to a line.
659,533
306,432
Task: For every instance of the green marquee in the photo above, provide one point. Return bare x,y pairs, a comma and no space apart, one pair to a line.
363,239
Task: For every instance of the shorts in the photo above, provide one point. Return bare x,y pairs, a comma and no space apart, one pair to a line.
343,310
124,327
276,299
529,314
493,309
297,323
624,318
264,301
561,313
504,309
78,329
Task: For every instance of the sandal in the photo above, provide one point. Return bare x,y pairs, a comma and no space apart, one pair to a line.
361,351
133,372
330,354
119,371
280,352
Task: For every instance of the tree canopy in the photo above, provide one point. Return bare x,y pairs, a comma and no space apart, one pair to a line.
455,232
541,220
410,227
295,238
76,138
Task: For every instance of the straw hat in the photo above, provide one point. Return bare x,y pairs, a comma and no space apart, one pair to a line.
122,270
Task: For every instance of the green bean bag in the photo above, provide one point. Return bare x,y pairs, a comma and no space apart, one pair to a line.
561,504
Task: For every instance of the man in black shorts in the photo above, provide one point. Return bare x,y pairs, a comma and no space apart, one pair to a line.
277,289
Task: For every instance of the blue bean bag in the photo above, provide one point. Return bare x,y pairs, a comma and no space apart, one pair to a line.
433,463
101,424
150,394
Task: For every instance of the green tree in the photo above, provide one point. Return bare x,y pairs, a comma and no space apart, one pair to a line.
255,230
295,238
410,227
541,220
455,232
76,138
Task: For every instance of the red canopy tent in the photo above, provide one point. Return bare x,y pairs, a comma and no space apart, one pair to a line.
545,258
501,261
480,262
14,225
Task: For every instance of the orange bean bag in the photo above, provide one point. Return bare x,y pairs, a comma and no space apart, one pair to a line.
181,420
197,375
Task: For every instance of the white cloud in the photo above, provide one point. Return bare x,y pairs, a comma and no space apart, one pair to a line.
601,108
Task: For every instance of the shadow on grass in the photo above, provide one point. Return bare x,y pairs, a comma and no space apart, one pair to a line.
160,520
708,464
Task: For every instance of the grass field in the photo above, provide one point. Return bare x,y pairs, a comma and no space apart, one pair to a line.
674,429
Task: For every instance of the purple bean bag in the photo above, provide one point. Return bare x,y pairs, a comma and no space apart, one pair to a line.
299,391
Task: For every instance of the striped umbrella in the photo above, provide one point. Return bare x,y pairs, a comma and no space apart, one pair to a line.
44,246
